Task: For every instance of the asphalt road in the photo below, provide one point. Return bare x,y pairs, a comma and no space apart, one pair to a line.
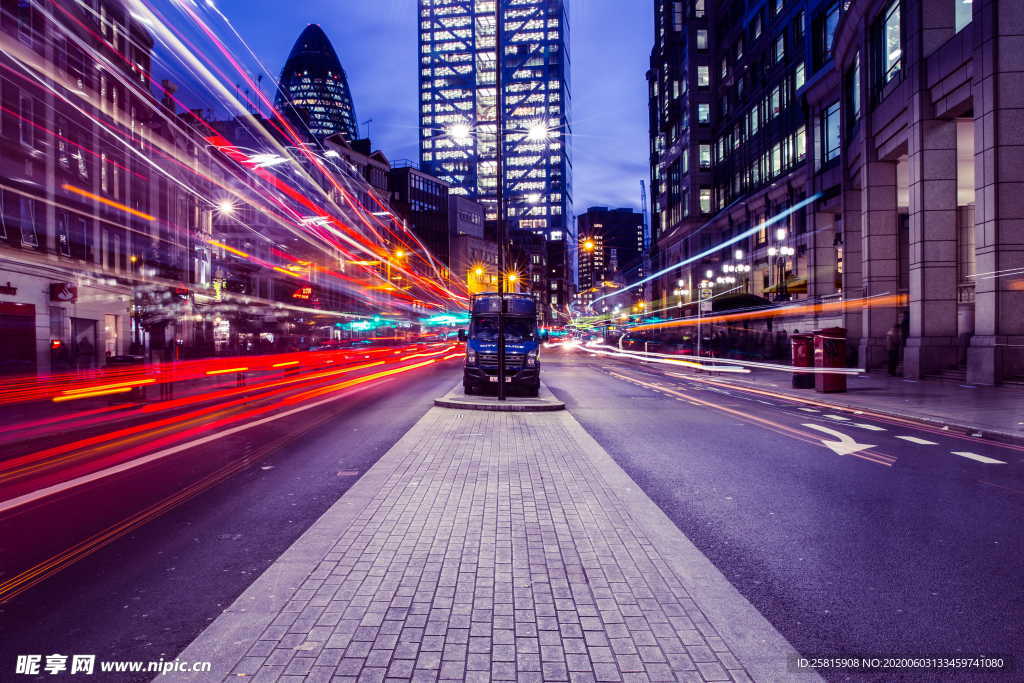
146,595
900,548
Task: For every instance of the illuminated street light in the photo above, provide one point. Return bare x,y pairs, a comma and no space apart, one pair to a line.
537,132
399,253
460,133
772,251
738,254
780,234
709,273
589,245
226,207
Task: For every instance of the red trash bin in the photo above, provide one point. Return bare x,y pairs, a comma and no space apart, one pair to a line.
830,352
802,347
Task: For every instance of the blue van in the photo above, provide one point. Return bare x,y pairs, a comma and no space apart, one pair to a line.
522,344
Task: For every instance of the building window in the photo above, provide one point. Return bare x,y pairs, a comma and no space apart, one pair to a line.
702,39
703,113
703,76
801,76
704,152
891,43
725,67
830,137
705,200
853,89
780,48
962,14
825,34
801,143
757,26
778,6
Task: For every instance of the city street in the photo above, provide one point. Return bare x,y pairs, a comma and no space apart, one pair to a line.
878,554
511,340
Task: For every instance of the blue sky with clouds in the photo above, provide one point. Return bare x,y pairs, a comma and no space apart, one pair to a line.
376,40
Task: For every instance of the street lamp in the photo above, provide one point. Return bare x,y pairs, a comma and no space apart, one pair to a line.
225,207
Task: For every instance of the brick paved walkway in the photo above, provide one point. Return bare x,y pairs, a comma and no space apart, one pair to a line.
492,546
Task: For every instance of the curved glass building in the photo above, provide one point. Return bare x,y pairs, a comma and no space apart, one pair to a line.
313,89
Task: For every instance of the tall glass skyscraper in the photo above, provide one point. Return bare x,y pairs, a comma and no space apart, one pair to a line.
314,91
458,106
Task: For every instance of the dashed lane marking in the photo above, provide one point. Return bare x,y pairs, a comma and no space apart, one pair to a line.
920,442
838,417
869,427
809,410
979,458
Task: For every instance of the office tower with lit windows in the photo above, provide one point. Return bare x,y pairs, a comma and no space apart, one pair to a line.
313,90
611,250
458,107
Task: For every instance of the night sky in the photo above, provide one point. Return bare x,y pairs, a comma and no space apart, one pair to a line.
376,41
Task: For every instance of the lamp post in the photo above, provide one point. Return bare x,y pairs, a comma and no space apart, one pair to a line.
780,254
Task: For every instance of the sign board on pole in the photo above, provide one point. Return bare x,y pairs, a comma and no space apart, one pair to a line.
705,294
705,306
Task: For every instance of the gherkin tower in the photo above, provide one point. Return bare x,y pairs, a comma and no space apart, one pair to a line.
313,89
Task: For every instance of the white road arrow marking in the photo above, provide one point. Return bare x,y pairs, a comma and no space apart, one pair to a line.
845,445
979,458
920,442
870,427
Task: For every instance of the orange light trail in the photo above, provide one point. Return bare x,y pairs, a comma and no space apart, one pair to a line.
236,252
90,394
226,371
107,202
281,365
886,301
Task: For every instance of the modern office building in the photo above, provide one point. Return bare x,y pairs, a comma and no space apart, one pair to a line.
458,107
611,249
897,121
313,90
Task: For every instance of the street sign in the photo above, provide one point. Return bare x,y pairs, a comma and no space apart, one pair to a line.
705,294
705,306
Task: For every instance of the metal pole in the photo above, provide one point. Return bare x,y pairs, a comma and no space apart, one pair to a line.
500,194
700,304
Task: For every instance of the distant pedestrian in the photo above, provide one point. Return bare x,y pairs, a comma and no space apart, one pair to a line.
894,344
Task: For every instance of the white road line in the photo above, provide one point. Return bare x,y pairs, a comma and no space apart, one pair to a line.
809,410
979,458
767,403
865,425
921,442
838,417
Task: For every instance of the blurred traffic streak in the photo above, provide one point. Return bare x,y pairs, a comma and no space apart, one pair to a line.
72,457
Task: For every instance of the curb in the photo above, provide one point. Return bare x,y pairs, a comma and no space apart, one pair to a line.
966,429
457,400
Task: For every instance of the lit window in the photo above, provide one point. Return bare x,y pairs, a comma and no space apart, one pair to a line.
830,133
892,43
962,14
704,152
705,200
703,113
703,76
702,39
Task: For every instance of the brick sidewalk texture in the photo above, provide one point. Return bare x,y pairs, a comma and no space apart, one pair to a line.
492,546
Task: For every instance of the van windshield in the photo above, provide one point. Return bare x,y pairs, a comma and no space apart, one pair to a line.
516,329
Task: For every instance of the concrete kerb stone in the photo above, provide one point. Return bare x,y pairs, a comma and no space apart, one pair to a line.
457,399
